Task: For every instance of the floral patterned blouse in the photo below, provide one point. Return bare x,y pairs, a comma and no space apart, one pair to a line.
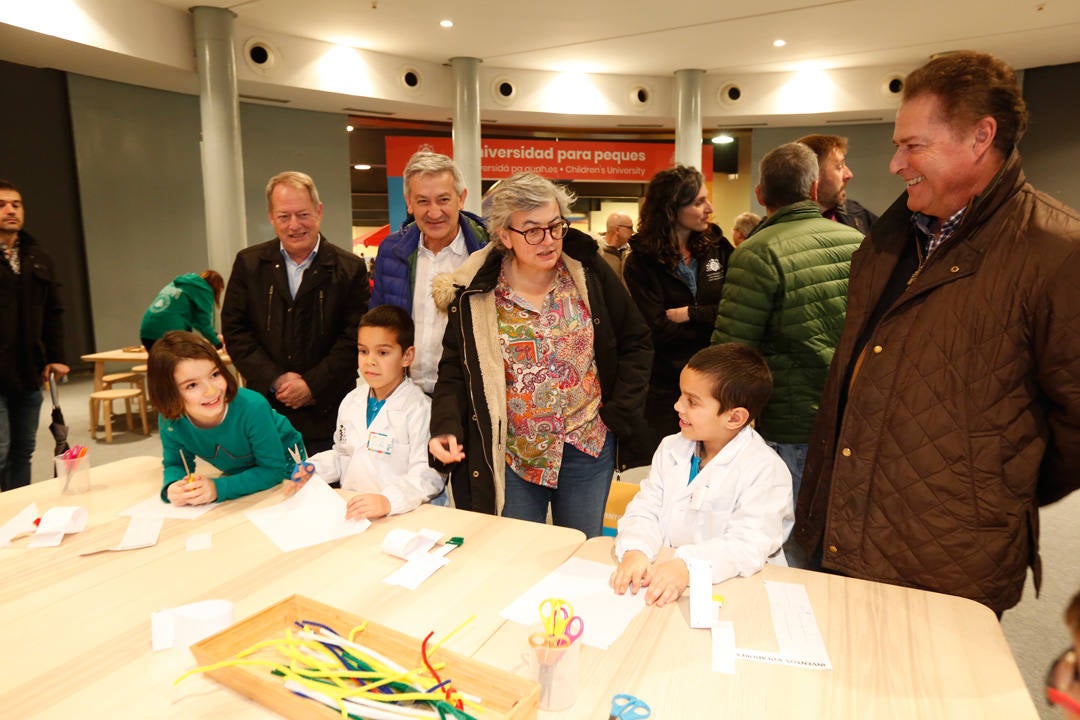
552,387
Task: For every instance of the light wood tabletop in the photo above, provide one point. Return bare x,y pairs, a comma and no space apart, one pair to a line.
79,645
135,354
896,653
77,640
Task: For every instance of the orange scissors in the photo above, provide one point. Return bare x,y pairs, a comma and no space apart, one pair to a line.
575,626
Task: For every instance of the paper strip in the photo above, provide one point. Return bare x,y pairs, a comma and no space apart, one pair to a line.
418,569
723,647
796,628
19,525
403,543
702,609
56,523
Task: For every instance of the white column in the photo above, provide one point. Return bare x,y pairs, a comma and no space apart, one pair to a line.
688,117
222,155
466,130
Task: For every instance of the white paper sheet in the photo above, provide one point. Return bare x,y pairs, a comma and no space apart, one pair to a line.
188,624
199,541
418,569
22,523
723,647
797,632
56,523
584,584
141,532
314,515
154,506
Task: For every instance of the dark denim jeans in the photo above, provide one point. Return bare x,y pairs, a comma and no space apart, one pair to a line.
794,456
19,413
578,502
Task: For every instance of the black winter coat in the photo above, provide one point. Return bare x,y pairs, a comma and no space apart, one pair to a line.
267,332
32,335
466,404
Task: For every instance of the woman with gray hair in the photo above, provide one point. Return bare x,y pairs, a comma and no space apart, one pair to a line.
545,363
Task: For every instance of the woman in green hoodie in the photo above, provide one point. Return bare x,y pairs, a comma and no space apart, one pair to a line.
187,303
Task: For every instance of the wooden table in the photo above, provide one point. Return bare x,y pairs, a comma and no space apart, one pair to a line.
896,653
77,641
77,631
135,355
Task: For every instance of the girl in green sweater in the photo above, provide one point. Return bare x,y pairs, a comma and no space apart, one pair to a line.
204,414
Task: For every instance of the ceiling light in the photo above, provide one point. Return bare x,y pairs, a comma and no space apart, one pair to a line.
446,23
361,167
779,43
723,140
349,128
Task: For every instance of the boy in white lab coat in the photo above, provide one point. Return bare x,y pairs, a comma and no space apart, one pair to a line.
381,442
715,492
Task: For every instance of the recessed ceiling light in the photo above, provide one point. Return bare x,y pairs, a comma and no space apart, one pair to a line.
779,43
446,23
361,167
349,128
723,140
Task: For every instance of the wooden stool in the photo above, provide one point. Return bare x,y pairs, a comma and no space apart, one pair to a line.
106,397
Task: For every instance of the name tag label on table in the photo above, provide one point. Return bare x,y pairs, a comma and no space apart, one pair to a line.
796,629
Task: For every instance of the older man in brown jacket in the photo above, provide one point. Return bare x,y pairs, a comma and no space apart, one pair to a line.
952,409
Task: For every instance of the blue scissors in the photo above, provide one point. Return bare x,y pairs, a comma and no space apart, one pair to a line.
628,707
303,467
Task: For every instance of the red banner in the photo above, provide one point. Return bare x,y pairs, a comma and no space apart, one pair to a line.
581,160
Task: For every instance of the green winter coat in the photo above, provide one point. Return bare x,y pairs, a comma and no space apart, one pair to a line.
187,303
786,295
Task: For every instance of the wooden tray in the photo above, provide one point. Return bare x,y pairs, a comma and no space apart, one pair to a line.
504,694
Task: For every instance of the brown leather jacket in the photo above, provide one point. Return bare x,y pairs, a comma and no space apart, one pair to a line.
964,414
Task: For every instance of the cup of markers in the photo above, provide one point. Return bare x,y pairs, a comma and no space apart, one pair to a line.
73,470
555,654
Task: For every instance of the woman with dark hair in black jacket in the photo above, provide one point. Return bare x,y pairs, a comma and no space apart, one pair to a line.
675,272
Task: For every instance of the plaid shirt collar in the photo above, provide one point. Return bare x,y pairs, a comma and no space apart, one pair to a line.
11,254
925,224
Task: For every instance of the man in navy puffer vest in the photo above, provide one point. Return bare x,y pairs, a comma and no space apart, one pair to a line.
439,240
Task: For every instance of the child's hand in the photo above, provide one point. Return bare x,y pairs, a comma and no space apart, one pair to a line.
633,572
291,487
367,505
192,490
300,476
446,449
667,582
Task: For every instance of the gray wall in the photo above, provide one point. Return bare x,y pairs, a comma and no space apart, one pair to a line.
140,184
1051,147
869,150
278,139
36,154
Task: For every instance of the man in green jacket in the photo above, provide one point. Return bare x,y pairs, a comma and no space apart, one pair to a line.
786,295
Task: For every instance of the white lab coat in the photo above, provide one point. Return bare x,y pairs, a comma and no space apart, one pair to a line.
735,515
390,457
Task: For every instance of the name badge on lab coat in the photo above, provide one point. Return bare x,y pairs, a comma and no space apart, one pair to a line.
380,443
